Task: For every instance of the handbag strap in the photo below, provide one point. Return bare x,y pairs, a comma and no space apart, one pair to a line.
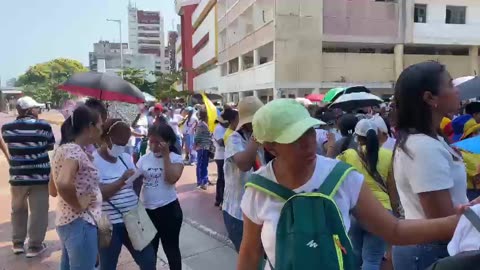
114,207
93,218
123,162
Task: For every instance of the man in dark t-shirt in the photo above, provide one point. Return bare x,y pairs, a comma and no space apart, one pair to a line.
28,141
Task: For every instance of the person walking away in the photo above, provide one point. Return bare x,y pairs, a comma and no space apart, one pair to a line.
346,125
473,109
373,162
241,159
162,168
76,180
202,144
219,157
174,119
115,168
308,241
190,126
28,140
384,133
430,175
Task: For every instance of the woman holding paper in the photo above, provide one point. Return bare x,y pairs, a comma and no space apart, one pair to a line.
117,173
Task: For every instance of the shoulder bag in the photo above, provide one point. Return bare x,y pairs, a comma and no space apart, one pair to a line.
140,228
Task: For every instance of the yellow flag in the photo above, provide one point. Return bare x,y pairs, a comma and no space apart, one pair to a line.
211,112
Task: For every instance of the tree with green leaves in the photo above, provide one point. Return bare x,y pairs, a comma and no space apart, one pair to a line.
165,85
139,78
41,80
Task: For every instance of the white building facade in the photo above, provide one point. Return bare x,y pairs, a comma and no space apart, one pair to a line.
204,44
146,36
290,48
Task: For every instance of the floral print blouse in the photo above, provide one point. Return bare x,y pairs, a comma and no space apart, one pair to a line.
86,182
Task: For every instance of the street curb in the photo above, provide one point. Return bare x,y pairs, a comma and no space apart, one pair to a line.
215,235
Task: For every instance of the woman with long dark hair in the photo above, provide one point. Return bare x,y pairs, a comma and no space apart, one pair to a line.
76,179
346,125
430,175
162,168
373,162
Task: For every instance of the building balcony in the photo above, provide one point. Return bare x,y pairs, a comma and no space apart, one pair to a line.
205,55
438,32
252,41
207,81
201,10
259,77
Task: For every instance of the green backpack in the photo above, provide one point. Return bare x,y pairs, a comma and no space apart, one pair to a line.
310,231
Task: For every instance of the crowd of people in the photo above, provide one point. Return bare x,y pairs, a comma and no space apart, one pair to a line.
300,187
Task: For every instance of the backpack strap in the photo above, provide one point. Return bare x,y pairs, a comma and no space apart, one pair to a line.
269,187
473,218
336,177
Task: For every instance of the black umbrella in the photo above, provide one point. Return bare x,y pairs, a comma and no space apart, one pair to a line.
103,86
469,87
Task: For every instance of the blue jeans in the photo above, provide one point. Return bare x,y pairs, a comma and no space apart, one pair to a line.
79,245
234,229
145,259
417,257
202,167
368,248
189,146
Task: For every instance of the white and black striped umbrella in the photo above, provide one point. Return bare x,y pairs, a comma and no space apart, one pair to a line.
353,101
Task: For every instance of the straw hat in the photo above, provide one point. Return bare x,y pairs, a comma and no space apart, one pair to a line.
247,108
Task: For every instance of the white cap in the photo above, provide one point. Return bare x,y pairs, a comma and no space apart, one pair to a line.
28,103
363,126
380,123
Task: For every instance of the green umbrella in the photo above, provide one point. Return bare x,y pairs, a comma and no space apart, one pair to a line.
333,93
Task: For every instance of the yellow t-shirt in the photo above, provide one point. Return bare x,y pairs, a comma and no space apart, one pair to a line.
228,132
351,157
471,162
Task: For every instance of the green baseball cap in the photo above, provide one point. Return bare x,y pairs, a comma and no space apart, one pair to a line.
282,121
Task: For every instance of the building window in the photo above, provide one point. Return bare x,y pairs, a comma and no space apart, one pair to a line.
455,15
420,14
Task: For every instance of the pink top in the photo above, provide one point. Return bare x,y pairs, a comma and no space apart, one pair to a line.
86,182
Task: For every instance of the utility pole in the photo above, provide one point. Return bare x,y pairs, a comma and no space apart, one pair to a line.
121,44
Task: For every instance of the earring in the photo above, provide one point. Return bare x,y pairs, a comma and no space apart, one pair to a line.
435,105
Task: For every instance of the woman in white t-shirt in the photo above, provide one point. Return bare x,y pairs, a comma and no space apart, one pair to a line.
162,168
115,167
285,128
190,125
430,176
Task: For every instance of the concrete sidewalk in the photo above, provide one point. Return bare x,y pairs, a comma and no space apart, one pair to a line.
199,252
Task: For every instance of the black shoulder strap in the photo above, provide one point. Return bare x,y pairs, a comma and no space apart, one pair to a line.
123,162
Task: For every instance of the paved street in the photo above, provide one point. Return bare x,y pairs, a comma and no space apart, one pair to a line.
204,244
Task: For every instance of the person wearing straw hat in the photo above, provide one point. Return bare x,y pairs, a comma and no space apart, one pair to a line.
241,159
